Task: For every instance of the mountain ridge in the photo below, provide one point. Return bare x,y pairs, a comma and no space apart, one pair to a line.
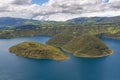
10,21
84,20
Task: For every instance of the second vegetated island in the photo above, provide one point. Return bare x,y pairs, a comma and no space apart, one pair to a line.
82,46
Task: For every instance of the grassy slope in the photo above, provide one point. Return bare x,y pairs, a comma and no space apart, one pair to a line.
87,46
59,40
107,30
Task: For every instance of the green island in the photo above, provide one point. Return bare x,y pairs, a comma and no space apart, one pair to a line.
81,46
37,51
87,46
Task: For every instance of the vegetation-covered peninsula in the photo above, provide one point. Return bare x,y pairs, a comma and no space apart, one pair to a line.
37,50
87,46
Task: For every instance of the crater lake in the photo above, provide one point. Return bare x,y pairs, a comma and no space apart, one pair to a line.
13,67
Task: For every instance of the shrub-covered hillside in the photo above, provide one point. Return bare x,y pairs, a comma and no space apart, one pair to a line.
37,50
87,46
59,40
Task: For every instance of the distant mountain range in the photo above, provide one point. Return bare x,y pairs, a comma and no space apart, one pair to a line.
88,20
11,22
8,22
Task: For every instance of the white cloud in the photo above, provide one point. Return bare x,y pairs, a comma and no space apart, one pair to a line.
59,10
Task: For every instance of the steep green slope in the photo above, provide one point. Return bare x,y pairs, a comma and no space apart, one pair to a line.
59,40
87,46
37,50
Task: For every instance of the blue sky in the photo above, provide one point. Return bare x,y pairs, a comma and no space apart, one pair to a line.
39,1
43,1
106,1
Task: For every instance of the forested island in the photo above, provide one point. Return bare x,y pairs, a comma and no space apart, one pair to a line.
37,51
81,46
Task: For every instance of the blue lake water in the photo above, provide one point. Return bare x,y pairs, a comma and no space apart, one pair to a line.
18,68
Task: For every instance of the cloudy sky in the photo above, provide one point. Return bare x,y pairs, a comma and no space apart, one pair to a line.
58,10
